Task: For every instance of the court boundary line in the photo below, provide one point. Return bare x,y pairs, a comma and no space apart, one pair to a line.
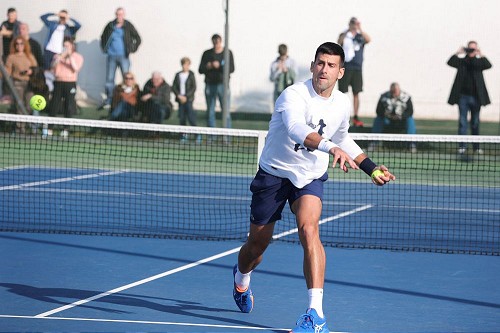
60,180
184,267
124,321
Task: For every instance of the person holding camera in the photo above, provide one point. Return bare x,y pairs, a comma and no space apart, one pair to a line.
469,89
65,66
283,71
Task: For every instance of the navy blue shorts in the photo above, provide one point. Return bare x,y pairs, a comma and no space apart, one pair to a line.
270,194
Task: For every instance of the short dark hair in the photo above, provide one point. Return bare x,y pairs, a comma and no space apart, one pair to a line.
11,10
331,49
282,49
216,36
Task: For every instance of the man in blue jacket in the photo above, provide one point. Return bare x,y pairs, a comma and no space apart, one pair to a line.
64,28
118,40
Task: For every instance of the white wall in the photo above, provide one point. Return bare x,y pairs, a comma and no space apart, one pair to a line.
411,42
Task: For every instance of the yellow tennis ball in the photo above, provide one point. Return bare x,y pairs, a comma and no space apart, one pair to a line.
377,173
38,102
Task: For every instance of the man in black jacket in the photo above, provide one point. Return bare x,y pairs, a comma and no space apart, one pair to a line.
212,66
118,40
469,90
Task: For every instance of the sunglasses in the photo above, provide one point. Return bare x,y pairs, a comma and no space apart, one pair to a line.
19,44
129,78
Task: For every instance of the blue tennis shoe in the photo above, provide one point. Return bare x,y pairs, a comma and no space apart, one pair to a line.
310,322
244,300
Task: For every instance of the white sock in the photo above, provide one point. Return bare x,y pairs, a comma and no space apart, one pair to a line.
242,280
316,300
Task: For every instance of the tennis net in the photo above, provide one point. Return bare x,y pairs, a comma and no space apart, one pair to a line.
133,179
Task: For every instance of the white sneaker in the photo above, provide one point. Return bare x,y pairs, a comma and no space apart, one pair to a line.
479,151
461,151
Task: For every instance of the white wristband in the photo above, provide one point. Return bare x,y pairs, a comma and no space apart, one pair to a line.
325,146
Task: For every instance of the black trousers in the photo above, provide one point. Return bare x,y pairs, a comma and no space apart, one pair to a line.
63,97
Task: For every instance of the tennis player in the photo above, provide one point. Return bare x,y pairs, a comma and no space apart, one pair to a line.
309,123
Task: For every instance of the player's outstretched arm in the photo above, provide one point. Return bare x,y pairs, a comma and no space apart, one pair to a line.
315,141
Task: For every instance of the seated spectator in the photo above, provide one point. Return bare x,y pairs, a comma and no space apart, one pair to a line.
155,98
395,113
125,98
38,84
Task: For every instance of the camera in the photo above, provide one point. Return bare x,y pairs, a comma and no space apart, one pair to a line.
469,50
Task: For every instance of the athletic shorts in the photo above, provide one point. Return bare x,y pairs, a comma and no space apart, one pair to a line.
353,78
270,194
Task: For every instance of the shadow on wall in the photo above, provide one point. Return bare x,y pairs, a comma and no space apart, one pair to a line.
261,101
253,101
93,74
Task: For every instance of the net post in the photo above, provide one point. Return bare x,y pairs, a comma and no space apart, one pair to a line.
13,90
225,100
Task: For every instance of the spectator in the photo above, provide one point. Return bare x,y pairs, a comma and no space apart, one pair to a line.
212,65
125,98
353,41
58,30
395,112
469,89
8,30
155,98
66,67
118,40
36,49
283,71
184,87
19,66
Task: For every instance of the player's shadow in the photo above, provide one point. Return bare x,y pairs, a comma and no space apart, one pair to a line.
166,305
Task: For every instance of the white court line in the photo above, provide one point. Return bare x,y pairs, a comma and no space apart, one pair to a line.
140,193
60,180
182,268
138,283
153,323
328,219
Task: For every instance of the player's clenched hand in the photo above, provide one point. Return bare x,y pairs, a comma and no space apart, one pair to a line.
341,157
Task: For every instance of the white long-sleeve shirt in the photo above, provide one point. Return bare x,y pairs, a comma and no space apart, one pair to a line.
300,111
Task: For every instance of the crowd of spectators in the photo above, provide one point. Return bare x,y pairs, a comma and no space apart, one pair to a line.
58,63
52,71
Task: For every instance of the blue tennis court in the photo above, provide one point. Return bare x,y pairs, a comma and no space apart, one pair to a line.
94,282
